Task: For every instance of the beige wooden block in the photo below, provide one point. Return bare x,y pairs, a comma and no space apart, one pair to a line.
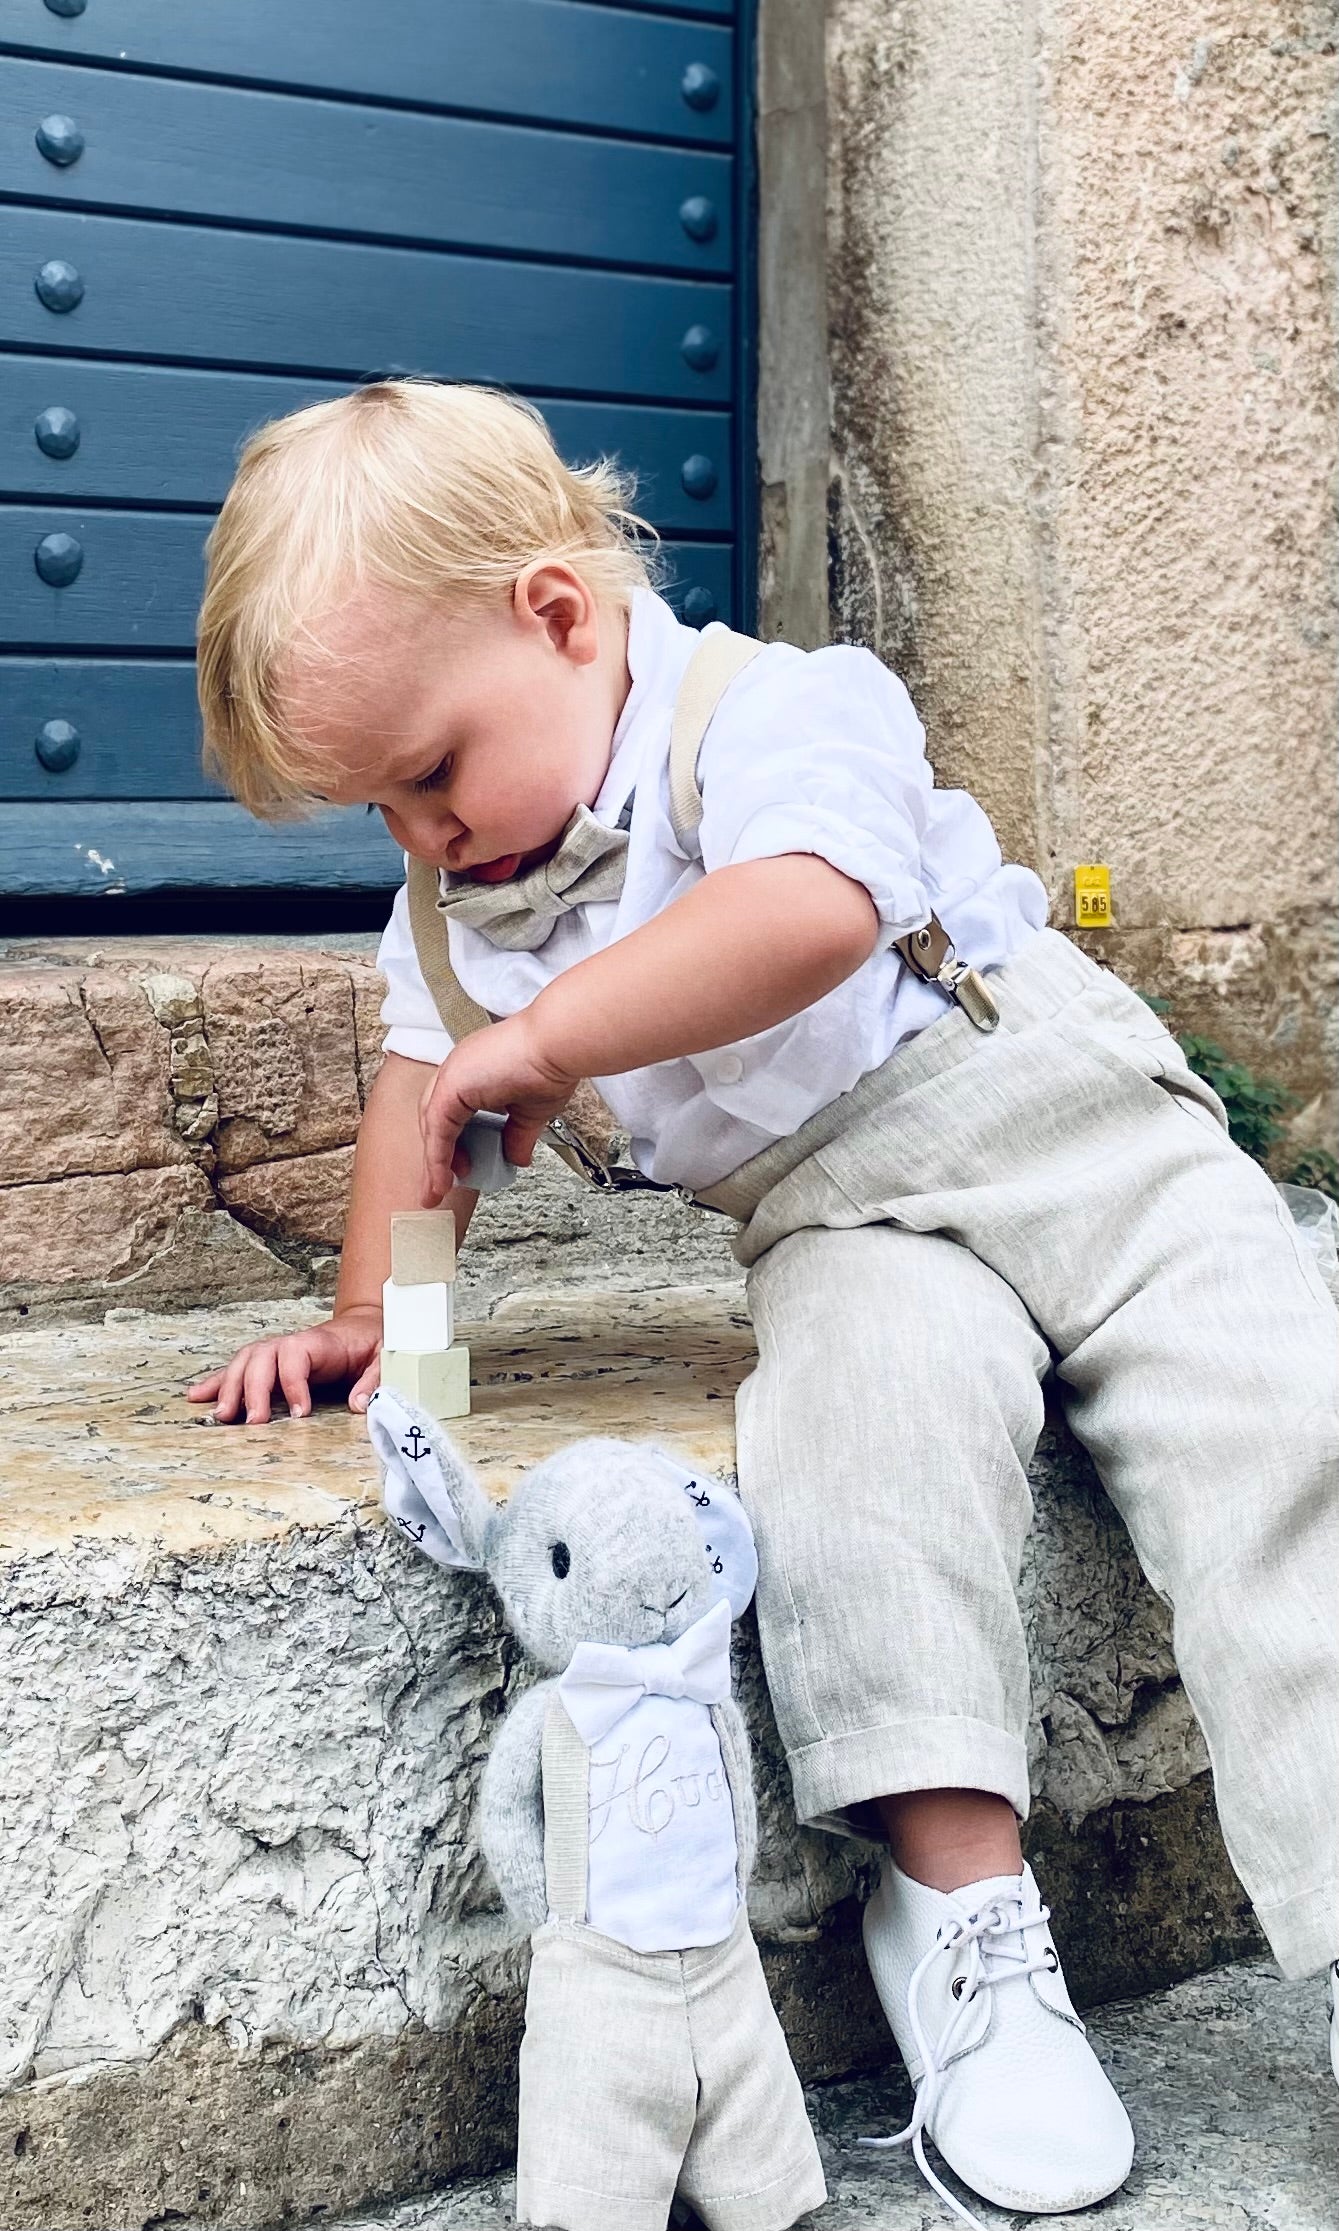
423,1247
438,1381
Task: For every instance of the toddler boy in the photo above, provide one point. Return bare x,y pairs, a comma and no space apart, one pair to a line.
414,604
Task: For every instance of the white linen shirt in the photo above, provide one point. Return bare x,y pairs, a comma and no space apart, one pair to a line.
817,751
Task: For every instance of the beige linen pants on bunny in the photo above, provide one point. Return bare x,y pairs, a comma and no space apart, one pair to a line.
647,2073
1062,1193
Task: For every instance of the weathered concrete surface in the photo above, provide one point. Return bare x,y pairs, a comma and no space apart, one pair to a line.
1235,2114
252,1965
1084,377
177,1119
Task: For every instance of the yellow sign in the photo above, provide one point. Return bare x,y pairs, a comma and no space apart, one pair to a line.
1092,897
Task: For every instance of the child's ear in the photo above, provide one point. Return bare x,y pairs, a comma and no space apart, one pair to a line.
430,1492
552,595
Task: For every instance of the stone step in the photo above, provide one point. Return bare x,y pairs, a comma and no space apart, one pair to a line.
253,1968
177,1121
1236,2118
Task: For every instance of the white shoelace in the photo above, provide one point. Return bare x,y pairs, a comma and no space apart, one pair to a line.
994,1922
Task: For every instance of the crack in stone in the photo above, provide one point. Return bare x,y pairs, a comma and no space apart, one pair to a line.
81,994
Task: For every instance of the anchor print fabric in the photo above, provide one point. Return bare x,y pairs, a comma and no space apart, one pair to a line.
663,1855
413,1489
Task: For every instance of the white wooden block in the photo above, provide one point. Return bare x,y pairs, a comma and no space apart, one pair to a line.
423,1246
418,1317
438,1382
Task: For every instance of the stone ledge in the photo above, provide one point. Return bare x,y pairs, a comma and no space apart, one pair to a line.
253,1967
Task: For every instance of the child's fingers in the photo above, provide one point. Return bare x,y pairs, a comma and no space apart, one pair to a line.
204,1390
258,1382
521,1137
442,1116
293,1364
438,1180
362,1390
438,1162
229,1395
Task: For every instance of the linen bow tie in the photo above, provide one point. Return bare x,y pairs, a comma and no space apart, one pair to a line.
523,912
605,1680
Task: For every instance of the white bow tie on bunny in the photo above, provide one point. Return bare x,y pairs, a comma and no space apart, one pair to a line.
605,1679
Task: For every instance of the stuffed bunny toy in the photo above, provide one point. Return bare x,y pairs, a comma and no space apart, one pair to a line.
617,1816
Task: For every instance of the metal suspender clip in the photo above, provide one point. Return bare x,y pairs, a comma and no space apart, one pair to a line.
928,953
613,1177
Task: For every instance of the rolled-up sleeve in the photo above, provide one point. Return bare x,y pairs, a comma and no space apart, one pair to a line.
822,754
413,1025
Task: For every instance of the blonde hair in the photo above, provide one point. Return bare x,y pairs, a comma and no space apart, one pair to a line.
444,491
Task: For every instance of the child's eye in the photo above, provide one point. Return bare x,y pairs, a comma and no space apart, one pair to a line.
440,774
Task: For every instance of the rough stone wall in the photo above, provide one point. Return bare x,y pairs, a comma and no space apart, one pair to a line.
1083,311
177,1120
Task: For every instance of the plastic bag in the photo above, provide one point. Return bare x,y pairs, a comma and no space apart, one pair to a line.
1317,1219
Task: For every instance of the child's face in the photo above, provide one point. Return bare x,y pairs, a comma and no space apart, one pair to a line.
476,734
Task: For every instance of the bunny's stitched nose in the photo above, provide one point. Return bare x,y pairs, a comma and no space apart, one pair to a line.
667,1608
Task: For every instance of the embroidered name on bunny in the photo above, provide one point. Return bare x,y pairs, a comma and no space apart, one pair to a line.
663,1856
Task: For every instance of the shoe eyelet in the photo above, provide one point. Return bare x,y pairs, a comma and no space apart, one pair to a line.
1052,1960
959,1985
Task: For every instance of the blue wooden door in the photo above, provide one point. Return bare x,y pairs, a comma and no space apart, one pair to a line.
217,210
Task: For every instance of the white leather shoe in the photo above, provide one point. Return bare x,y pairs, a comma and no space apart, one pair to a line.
1332,2008
1007,2084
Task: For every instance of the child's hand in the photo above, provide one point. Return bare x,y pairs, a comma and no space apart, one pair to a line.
347,1347
502,1069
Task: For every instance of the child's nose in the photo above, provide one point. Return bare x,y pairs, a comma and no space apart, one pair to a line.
423,829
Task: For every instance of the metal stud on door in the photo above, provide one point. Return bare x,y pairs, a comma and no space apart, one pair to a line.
56,431
58,559
59,285
57,746
60,140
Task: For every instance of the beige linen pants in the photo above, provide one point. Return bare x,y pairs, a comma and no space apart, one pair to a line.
647,2073
1061,1194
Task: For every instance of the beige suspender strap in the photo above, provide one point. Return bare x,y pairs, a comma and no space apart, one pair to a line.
719,656
565,1769
458,1011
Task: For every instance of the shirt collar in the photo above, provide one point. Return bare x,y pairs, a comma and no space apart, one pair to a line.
659,648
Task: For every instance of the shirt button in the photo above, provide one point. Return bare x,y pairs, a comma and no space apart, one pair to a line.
729,1069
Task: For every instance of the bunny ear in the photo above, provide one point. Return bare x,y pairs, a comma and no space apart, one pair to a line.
429,1491
722,1521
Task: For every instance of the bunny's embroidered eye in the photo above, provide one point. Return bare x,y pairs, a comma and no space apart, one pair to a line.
561,1558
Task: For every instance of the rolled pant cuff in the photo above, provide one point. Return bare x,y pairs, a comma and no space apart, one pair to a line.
1303,1932
780,2203
543,2200
840,1772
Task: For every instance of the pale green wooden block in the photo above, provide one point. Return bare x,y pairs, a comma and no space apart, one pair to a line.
438,1381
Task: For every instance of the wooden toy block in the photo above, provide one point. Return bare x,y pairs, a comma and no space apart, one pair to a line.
418,1318
438,1382
423,1247
490,1171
